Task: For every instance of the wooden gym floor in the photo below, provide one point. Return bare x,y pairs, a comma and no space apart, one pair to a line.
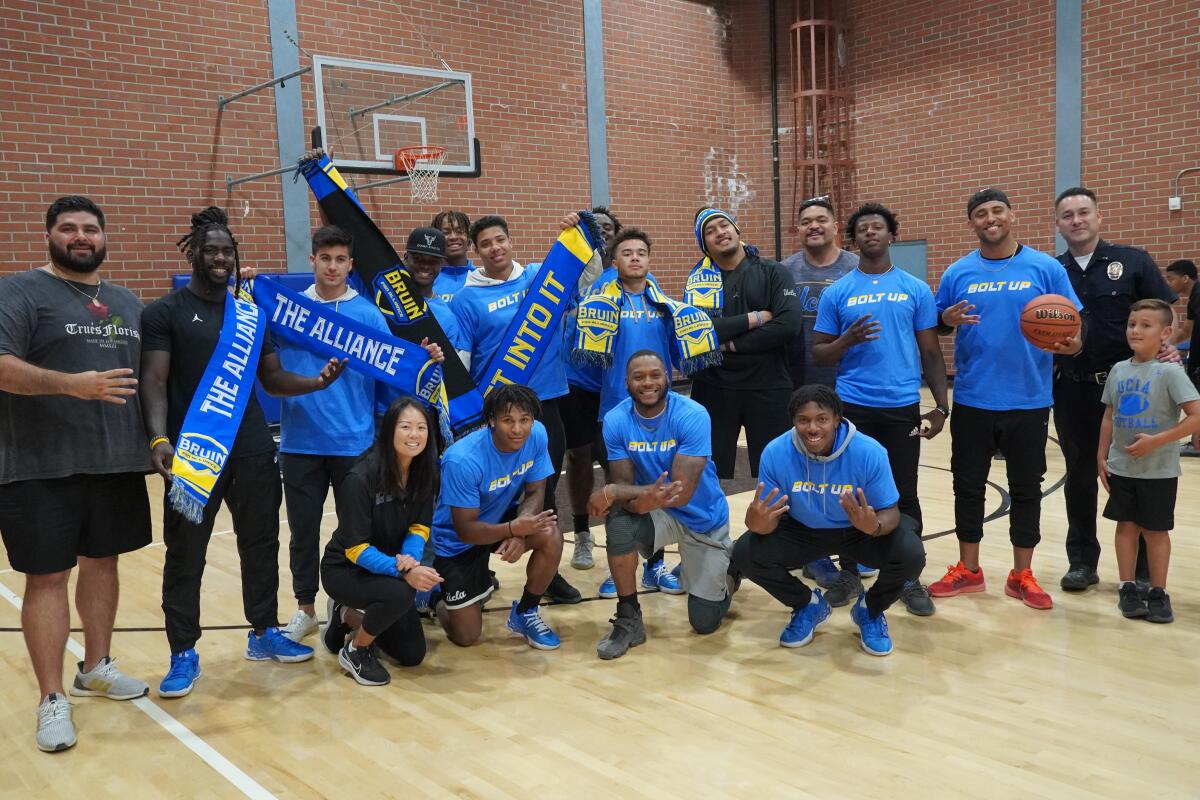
985,699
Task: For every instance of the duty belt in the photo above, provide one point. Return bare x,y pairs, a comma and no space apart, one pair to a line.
1086,377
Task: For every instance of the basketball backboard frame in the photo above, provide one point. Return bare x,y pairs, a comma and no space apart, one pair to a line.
395,110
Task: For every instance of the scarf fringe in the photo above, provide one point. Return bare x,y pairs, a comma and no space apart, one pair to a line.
591,358
690,366
185,503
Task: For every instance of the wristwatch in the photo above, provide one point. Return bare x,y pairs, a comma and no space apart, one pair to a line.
945,412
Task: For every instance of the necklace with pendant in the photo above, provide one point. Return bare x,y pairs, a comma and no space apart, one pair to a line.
94,305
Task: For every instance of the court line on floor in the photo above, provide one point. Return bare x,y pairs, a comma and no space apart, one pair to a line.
282,521
223,766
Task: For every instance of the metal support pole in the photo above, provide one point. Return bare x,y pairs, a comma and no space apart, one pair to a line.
385,182
232,182
223,101
404,98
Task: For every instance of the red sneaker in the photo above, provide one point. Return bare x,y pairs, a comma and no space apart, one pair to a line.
1024,586
958,580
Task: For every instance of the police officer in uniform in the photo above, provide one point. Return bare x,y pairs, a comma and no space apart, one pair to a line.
1108,278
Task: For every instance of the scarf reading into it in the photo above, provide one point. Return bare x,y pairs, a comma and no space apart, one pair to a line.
704,288
693,343
215,414
540,314
318,328
384,276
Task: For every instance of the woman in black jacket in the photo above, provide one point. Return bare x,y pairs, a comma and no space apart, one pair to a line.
372,568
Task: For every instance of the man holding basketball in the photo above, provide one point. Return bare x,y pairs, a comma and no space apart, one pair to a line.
1002,393
1109,278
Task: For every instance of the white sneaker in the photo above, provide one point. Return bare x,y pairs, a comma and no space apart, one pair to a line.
55,730
300,627
105,680
582,557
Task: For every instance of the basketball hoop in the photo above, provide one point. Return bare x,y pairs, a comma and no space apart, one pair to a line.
421,163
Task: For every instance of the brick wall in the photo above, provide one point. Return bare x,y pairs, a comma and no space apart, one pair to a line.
119,102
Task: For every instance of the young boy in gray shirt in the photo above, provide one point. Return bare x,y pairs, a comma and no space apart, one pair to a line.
1139,456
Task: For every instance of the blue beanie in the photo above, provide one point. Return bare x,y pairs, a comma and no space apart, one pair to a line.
707,215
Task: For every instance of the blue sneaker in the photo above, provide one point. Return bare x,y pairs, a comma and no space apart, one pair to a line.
866,572
657,576
872,632
805,621
274,646
184,672
608,589
530,627
823,571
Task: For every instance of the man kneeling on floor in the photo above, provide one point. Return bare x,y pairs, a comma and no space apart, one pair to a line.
825,488
664,491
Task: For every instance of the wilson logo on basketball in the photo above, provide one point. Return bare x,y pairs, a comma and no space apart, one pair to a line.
1054,313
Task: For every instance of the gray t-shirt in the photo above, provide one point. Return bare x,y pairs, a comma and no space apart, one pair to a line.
47,323
1145,398
811,281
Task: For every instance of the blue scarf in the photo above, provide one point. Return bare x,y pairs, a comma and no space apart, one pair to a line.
378,267
693,340
317,327
540,314
215,413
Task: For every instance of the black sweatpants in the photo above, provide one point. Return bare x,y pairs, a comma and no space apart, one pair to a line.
769,559
387,605
1078,412
251,488
306,482
976,436
763,413
891,427
556,445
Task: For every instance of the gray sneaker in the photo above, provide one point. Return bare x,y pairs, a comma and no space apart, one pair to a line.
55,729
916,599
847,587
300,626
582,557
627,632
105,680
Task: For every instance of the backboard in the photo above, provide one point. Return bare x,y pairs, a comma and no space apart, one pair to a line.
368,110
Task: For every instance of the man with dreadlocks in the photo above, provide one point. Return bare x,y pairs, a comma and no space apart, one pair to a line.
180,334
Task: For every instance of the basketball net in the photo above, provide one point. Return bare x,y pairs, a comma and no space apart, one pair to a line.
422,163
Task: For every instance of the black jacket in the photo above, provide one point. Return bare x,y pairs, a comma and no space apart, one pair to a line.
759,360
1117,276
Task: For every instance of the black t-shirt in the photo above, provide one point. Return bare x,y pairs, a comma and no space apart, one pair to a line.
368,516
1193,313
50,323
188,327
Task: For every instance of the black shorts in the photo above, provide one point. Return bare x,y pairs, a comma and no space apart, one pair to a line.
580,410
1150,502
46,524
466,579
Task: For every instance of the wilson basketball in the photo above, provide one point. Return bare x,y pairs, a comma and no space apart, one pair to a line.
1049,318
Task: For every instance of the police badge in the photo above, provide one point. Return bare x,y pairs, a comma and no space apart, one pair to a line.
1115,270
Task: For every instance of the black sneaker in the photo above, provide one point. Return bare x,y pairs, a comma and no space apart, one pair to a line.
847,587
363,665
627,632
336,631
1159,606
559,591
1078,579
1131,603
916,599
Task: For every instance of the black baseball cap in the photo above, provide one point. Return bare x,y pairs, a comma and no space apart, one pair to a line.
427,241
